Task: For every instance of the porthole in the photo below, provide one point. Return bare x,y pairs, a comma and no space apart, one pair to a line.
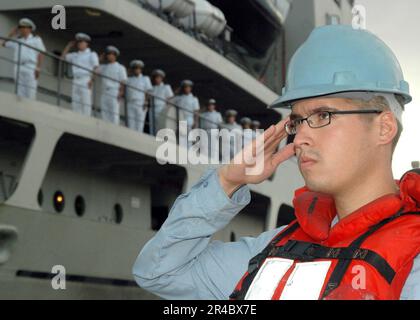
79,205
118,214
59,201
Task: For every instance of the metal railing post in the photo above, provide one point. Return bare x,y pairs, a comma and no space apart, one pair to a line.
152,116
18,68
93,95
126,106
60,70
177,123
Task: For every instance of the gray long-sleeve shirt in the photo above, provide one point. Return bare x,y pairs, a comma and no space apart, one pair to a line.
181,261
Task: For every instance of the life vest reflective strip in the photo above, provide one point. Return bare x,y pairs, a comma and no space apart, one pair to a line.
307,251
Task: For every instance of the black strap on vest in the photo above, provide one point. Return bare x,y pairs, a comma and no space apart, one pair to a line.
343,264
255,263
307,251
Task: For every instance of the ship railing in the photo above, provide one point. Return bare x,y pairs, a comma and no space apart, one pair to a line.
56,83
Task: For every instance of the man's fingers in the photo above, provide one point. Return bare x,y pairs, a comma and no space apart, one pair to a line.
283,154
272,144
251,148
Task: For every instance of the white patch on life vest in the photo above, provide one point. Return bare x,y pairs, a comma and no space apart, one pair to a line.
268,278
306,281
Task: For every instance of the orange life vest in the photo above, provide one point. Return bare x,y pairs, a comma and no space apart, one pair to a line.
366,255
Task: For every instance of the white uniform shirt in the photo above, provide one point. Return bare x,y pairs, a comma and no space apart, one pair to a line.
142,83
232,126
162,91
28,56
189,103
211,120
87,59
114,70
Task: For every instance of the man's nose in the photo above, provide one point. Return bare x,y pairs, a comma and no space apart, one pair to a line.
303,135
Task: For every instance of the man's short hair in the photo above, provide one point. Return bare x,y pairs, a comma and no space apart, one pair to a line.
381,103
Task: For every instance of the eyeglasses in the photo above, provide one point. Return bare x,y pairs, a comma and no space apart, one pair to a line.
321,119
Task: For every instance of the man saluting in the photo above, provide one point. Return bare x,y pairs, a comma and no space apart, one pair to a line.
346,92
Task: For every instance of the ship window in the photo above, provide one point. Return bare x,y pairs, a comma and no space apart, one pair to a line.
80,205
118,213
58,201
40,197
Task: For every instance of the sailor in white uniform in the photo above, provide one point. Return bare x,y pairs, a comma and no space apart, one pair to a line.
81,97
246,123
188,103
160,95
211,119
233,144
189,106
112,89
28,61
137,87
247,133
255,125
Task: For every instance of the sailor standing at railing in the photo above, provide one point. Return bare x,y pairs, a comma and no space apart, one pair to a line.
138,86
114,76
81,96
211,119
161,93
28,61
231,142
189,106
255,125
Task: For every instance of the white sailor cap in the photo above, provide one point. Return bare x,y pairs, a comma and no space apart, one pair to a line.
187,83
231,113
246,120
82,37
211,101
255,123
112,49
158,72
136,64
26,22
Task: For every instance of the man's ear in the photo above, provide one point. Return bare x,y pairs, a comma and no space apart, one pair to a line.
388,127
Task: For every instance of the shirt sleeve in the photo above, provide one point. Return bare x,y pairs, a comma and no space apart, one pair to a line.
11,44
181,261
169,92
123,74
149,86
40,44
411,289
94,60
219,118
70,57
196,104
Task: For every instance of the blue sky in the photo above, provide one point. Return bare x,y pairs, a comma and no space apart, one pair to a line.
397,23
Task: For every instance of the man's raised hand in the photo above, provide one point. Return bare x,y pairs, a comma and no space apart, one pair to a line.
257,161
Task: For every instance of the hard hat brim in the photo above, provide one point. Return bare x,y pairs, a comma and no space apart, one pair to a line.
325,90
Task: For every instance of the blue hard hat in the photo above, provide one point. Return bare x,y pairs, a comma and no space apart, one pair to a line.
339,58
